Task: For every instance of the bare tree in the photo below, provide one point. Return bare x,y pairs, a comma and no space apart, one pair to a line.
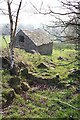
71,13
13,21
12,30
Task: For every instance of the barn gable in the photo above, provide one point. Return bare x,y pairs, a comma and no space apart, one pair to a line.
38,37
34,40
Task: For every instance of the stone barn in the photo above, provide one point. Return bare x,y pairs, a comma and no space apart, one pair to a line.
36,40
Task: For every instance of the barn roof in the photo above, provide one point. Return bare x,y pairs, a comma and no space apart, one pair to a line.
38,36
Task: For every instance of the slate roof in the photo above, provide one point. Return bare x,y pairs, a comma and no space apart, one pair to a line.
39,37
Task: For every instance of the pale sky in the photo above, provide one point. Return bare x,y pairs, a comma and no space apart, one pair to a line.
27,15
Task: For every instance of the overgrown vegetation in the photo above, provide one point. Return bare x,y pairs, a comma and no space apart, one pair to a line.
53,91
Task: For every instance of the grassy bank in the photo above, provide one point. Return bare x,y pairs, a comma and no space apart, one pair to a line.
56,101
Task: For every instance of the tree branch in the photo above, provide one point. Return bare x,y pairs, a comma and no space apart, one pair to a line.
17,18
10,18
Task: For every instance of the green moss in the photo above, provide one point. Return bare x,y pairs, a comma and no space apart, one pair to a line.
8,94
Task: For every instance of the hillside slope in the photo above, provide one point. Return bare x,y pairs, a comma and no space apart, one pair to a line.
43,87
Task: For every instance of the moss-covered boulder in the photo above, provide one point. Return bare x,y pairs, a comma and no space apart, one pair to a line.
5,62
14,81
30,82
18,89
8,94
14,71
3,101
25,86
62,84
21,64
56,79
74,73
24,72
60,58
42,65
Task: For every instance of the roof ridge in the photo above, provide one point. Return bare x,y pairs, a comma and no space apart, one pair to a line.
39,38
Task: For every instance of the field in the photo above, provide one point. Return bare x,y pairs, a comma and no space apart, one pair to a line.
54,89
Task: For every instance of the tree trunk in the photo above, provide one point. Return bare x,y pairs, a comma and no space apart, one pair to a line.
79,52
12,54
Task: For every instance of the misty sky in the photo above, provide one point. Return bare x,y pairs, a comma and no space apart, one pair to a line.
27,15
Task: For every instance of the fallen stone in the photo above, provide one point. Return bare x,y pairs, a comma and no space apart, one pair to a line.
72,70
57,76
13,82
21,64
77,72
62,84
3,101
56,80
74,73
78,90
14,71
25,86
40,79
30,82
42,65
33,89
18,89
68,85
60,58
8,94
34,51
24,72
5,62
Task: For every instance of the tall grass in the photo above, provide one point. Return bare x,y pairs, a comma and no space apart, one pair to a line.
3,43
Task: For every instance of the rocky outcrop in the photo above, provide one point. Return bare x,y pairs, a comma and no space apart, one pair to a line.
41,79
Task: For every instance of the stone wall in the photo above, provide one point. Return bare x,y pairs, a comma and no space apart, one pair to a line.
45,49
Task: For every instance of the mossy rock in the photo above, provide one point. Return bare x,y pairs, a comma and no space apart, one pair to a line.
5,85
33,89
24,72
14,71
21,64
3,101
30,82
62,84
13,82
18,89
56,80
42,65
74,73
57,76
67,86
25,86
8,94
60,58
5,62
